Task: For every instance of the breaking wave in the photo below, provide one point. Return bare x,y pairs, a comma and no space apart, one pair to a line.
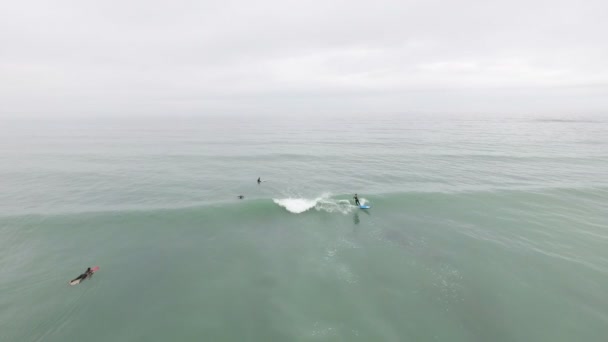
321,203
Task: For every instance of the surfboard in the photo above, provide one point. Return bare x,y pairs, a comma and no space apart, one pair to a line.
78,280
363,206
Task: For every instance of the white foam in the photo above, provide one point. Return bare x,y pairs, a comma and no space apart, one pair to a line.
322,203
296,205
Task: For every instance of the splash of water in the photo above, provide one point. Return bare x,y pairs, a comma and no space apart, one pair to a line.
321,203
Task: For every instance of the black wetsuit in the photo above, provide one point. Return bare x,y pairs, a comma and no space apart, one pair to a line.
357,200
84,276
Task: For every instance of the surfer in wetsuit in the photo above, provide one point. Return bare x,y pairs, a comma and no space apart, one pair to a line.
259,180
357,200
87,274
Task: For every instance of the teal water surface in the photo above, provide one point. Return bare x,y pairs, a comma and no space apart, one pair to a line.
481,229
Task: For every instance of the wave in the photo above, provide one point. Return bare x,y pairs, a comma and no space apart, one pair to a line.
588,197
321,203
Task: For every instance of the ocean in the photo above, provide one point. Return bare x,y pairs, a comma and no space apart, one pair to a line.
482,228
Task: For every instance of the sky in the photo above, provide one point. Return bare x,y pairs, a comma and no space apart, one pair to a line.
153,57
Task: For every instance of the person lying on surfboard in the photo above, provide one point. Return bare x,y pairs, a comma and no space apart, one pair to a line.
357,200
87,274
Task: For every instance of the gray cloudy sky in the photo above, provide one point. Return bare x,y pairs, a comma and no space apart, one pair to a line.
113,57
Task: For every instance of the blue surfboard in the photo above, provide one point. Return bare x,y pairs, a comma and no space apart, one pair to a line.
363,206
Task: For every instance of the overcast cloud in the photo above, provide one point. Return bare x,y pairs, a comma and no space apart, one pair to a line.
281,56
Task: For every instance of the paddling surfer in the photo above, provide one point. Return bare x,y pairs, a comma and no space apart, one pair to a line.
87,274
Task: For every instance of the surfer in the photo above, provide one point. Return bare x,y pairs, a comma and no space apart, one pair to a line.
241,196
87,274
259,180
357,200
